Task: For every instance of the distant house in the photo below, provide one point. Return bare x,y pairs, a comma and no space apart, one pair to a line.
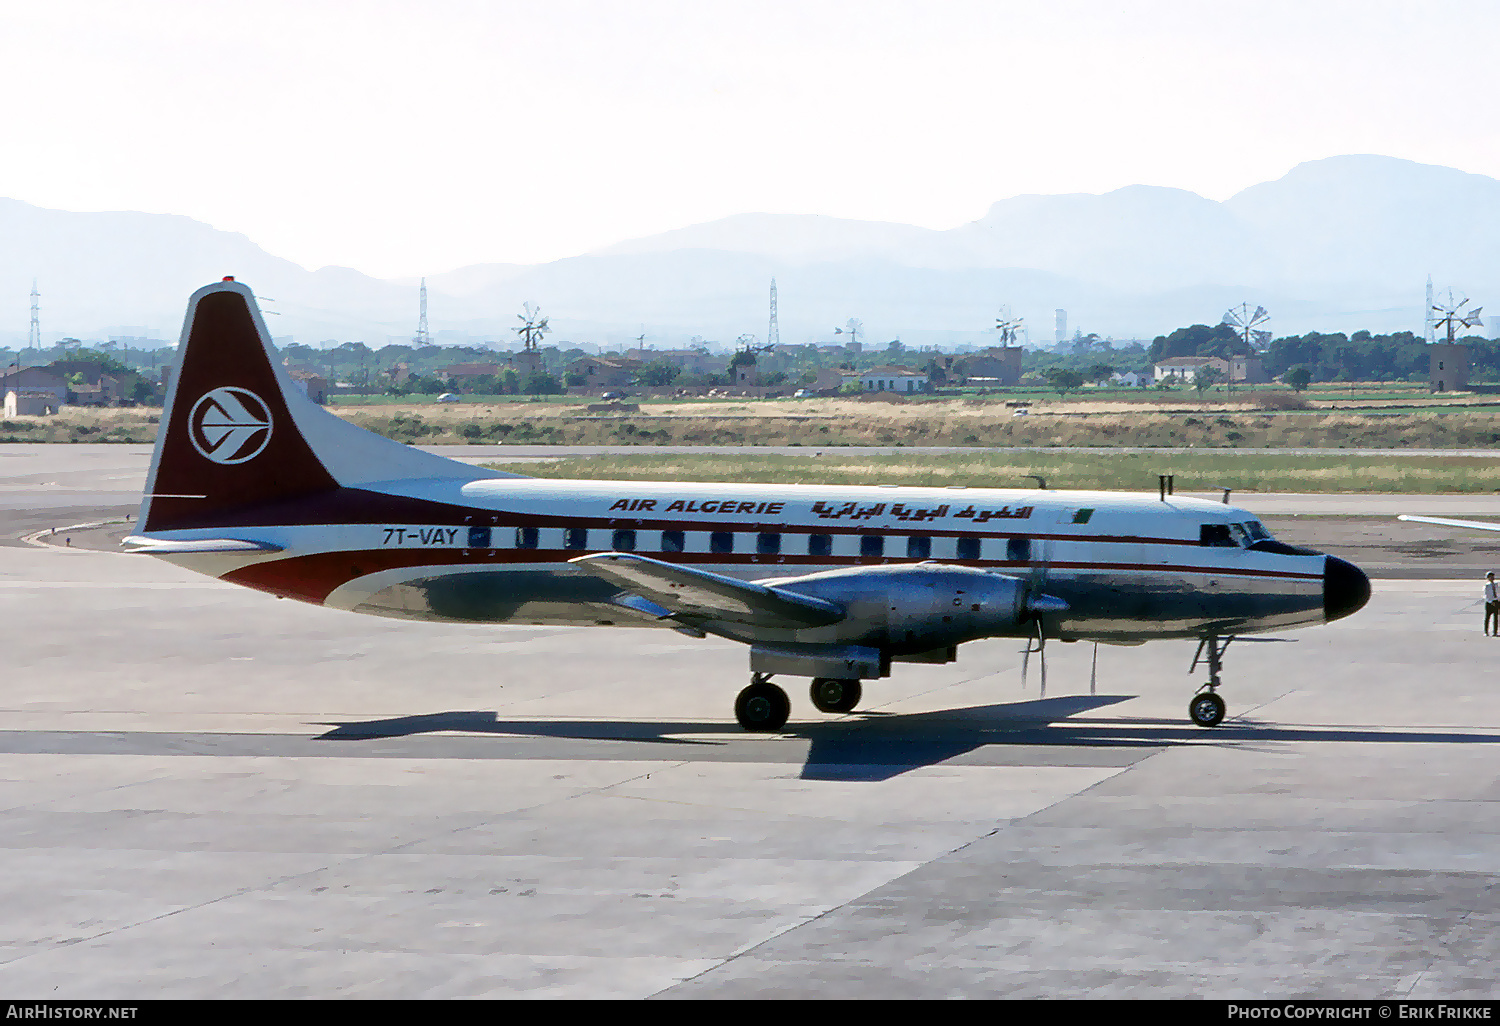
30,403
830,381
893,379
1237,370
1184,369
1000,364
460,373
36,381
689,361
605,372
1130,379
90,385
105,392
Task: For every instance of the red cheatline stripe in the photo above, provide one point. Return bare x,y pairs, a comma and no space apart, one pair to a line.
313,577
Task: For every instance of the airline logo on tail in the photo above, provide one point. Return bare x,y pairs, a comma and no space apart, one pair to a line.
230,425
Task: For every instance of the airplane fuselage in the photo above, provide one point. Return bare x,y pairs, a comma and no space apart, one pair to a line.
1129,567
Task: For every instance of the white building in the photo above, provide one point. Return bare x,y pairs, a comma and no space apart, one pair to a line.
30,403
893,379
1185,368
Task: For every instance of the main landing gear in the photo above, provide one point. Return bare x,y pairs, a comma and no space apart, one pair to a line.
829,694
763,707
1207,708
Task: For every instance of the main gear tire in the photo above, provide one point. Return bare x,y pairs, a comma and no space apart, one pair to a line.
832,695
762,708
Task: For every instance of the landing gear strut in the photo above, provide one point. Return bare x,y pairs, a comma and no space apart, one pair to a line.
1207,708
829,694
762,707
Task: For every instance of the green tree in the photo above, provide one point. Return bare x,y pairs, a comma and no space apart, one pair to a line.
1063,379
659,373
1298,377
1205,376
543,384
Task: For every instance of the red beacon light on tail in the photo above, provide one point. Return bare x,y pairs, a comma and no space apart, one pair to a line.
229,277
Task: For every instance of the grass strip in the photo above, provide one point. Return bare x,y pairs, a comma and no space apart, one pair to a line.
1201,472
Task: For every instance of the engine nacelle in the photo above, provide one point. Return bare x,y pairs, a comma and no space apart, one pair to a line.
917,608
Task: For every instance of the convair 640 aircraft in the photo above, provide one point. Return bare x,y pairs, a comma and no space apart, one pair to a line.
256,485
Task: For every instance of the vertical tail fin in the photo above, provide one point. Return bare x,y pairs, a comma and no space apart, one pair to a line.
227,439
237,433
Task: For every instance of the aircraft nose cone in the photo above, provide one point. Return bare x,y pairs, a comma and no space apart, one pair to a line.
1346,589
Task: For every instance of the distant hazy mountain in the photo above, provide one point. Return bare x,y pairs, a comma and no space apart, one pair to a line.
1335,244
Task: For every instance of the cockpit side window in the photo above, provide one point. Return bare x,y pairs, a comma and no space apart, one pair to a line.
1216,536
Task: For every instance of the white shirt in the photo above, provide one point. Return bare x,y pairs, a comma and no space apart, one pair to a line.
1492,592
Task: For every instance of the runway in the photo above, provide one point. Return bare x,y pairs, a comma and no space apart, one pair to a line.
205,792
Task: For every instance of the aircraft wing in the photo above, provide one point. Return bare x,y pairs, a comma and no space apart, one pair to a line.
1477,525
684,593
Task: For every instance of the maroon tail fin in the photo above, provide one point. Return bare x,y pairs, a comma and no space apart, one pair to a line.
227,440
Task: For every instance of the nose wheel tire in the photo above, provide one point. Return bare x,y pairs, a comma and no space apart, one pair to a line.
762,707
1206,709
831,695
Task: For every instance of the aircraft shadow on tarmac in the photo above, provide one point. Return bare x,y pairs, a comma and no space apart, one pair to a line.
878,745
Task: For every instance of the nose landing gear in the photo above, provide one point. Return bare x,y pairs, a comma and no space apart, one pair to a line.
1207,708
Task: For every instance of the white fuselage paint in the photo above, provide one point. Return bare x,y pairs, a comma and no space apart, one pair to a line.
1132,566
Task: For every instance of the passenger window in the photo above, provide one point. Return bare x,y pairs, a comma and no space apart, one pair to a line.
918,546
1216,536
768,544
1018,550
479,537
872,545
624,541
721,542
820,545
671,541
968,548
575,538
525,537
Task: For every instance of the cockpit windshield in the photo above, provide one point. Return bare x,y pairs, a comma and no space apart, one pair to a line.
1243,536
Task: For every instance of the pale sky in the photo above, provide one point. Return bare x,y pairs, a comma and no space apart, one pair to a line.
407,138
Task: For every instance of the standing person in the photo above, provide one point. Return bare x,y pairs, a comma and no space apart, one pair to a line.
1491,605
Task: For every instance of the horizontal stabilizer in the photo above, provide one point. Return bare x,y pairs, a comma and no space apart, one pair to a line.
699,595
168,547
1476,525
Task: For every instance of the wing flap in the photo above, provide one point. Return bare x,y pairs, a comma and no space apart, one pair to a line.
686,593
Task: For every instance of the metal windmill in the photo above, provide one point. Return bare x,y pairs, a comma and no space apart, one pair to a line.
1009,327
749,348
1247,325
1454,317
532,328
854,329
